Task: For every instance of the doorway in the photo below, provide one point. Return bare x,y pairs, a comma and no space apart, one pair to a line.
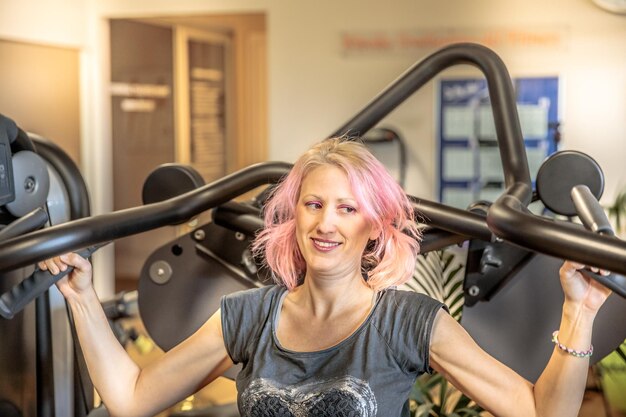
185,89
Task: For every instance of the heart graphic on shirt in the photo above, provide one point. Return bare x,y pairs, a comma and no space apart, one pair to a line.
341,397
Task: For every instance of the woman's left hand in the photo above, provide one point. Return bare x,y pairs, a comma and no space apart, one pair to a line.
580,289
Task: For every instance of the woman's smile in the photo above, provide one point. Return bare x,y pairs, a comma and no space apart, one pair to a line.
324,245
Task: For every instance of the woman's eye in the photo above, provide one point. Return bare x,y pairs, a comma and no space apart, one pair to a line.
347,209
313,204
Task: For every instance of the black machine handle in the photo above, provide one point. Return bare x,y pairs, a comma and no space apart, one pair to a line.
508,218
594,218
15,299
590,212
25,224
42,244
617,283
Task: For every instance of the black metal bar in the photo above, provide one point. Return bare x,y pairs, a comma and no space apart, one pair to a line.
590,212
501,93
435,239
511,221
34,220
44,363
79,207
77,234
238,217
451,219
507,217
12,301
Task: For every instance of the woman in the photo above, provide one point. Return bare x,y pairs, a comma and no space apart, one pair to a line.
334,338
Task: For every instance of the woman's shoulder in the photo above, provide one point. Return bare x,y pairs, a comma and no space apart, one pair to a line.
396,302
254,296
405,321
406,296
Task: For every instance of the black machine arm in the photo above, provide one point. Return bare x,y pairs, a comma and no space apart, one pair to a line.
501,93
36,246
27,223
14,300
508,217
510,220
590,212
593,217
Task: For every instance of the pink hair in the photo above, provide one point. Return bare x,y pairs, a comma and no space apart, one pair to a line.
388,261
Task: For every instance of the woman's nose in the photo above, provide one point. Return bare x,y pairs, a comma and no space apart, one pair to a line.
327,222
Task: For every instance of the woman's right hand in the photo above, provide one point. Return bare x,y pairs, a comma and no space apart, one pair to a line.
76,282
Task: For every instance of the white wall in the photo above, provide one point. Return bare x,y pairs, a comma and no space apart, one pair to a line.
56,22
314,88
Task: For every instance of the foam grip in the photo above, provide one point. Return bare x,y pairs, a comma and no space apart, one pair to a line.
32,183
616,283
15,299
25,224
589,211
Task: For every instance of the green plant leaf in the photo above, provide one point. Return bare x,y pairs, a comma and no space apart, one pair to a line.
439,275
463,402
474,412
443,394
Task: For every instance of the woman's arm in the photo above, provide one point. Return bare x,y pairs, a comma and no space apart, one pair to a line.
126,389
500,390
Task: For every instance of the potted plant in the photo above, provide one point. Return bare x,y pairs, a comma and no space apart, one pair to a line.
439,274
612,369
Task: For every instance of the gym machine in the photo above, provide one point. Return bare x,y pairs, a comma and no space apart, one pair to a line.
182,282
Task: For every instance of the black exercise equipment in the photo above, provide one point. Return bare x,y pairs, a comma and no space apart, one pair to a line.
8,134
553,188
507,217
507,220
170,180
37,168
502,273
14,300
387,135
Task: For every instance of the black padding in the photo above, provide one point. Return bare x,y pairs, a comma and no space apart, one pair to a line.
561,172
32,183
197,273
175,307
9,127
170,180
516,325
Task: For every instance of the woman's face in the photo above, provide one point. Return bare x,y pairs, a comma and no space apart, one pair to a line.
331,229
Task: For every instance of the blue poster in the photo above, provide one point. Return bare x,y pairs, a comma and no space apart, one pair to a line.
470,168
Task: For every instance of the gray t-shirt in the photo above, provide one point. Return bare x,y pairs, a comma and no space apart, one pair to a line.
370,373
